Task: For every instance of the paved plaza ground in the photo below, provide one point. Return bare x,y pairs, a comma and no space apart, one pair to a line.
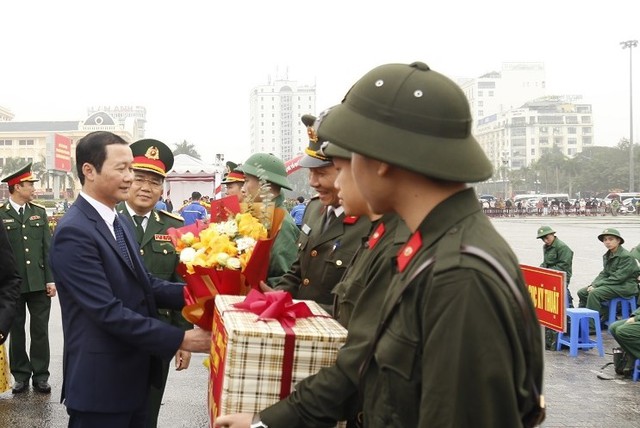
574,395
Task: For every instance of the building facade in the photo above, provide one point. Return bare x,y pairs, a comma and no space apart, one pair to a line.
275,111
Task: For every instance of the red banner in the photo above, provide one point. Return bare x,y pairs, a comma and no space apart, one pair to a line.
547,290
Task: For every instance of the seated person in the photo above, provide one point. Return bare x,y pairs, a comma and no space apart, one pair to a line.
627,334
619,278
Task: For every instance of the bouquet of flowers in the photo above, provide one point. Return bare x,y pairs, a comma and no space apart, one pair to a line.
229,255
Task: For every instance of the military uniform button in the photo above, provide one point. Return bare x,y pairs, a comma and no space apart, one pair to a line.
164,251
305,281
24,226
339,262
314,253
24,237
26,250
141,252
28,262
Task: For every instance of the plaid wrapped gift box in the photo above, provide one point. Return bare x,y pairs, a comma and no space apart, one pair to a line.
248,367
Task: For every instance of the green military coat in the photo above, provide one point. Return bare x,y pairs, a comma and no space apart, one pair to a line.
453,351
558,256
332,394
620,271
158,253
322,256
283,252
30,238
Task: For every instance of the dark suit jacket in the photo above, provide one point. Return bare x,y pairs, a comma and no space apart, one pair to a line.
112,340
9,285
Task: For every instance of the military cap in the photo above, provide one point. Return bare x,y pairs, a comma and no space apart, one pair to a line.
233,177
20,176
409,116
313,157
152,156
544,231
268,167
330,150
610,231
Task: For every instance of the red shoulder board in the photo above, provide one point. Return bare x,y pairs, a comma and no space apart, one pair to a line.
350,219
376,235
409,250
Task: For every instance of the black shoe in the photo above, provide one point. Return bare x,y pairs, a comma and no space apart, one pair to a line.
19,387
42,386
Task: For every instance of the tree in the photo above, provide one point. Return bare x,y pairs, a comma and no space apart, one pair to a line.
186,148
12,165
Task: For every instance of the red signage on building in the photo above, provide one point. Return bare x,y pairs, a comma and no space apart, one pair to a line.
547,290
62,153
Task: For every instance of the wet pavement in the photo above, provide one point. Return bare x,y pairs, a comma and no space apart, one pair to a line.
574,395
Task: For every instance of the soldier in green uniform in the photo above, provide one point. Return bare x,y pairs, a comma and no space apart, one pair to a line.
28,230
233,181
270,169
618,278
322,399
557,255
151,161
329,238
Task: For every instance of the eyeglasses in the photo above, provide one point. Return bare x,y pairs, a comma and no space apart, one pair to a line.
153,182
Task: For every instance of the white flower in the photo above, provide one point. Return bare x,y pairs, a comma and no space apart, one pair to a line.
187,255
244,244
229,228
222,259
233,263
187,238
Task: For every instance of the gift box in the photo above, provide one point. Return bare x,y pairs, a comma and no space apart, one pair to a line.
262,347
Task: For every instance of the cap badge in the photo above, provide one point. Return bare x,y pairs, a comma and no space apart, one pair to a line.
152,153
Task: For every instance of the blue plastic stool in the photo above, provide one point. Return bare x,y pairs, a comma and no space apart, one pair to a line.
636,370
578,337
627,307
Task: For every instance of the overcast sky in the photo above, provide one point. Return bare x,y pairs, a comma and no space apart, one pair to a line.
192,64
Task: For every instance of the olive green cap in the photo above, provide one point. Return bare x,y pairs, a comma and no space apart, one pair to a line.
268,167
330,150
152,156
412,117
610,231
544,231
313,157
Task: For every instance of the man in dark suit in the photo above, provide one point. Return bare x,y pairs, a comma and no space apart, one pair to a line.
28,230
113,342
151,161
9,286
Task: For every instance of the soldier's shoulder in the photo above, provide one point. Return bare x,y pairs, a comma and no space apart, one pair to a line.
167,214
42,207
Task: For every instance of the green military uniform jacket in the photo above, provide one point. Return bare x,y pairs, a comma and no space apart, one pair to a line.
371,264
558,256
332,394
454,350
158,254
322,256
30,238
620,271
283,252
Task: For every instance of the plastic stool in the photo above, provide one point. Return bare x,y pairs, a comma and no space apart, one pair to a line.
627,307
636,370
578,337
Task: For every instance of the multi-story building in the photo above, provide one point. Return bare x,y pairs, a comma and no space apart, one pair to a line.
275,111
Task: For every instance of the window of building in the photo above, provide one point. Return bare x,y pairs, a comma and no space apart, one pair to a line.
572,141
571,119
543,129
490,93
6,142
480,103
557,141
586,130
586,119
557,130
480,113
571,130
571,152
479,93
533,152
586,141
25,142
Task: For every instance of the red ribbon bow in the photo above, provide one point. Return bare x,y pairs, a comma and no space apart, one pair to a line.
275,305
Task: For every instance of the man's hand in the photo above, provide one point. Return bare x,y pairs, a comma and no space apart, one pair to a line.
264,287
196,340
51,289
238,420
631,320
183,358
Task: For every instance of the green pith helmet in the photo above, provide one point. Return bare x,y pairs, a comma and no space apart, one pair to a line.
313,157
332,151
612,232
268,167
412,117
544,231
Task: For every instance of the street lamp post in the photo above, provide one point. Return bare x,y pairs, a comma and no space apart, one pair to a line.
630,44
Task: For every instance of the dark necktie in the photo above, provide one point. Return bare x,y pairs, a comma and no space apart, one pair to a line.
329,216
139,230
122,246
21,212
